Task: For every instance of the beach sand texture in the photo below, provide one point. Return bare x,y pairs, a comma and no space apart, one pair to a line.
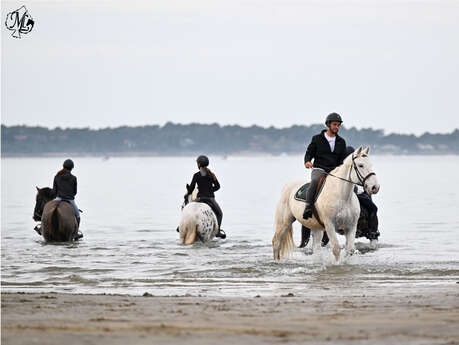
428,315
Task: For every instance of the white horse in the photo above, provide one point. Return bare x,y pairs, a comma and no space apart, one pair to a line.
337,206
198,221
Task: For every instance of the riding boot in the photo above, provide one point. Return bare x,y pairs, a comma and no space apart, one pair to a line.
79,233
305,235
221,234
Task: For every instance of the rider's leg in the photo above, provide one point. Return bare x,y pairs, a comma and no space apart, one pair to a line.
316,174
218,212
77,211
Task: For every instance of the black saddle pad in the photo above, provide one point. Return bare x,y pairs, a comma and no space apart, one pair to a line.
301,193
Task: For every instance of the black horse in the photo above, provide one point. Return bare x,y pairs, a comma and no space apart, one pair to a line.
58,221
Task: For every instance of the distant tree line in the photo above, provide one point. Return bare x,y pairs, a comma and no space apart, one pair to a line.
177,139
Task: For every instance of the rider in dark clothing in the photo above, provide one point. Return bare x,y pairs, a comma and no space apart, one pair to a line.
364,200
207,184
65,186
328,150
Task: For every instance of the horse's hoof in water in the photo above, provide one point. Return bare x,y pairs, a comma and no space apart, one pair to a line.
351,252
374,244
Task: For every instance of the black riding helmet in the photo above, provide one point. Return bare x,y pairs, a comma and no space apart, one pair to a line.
333,117
68,164
203,161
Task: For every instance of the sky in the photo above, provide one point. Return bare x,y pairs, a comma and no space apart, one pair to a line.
391,65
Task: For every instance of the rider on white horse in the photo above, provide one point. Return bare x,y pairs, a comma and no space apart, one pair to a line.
207,184
328,150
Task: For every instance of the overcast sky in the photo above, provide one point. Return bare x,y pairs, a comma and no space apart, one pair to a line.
392,65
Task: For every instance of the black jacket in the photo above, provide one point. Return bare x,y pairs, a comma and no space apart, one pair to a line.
324,158
206,185
65,186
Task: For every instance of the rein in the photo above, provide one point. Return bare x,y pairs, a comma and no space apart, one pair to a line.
361,178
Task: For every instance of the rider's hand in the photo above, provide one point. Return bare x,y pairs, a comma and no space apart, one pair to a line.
308,165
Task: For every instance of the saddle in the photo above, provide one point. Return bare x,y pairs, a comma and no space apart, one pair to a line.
300,194
207,202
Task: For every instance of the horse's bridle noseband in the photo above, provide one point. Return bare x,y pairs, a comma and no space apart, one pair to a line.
359,174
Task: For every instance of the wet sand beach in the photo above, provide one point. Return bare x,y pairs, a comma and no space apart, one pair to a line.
388,315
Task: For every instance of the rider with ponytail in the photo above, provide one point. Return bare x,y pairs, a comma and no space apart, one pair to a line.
207,184
65,186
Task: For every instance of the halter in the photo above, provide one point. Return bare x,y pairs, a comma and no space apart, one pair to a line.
357,172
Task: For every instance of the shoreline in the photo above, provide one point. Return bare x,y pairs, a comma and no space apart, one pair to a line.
383,315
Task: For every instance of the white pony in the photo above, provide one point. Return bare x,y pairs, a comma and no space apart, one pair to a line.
337,206
198,221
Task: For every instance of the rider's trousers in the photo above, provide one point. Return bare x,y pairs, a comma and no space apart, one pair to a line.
75,207
215,207
316,174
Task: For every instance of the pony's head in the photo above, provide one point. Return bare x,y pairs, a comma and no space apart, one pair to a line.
43,196
361,171
189,197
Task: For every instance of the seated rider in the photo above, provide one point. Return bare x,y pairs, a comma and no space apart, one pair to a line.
65,186
207,185
328,150
364,200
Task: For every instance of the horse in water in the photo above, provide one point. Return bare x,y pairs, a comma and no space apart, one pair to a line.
58,221
336,207
198,221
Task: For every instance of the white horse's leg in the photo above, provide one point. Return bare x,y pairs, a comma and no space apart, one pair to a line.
334,244
350,239
316,240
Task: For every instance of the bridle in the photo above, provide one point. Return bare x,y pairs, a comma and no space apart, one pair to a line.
42,205
360,176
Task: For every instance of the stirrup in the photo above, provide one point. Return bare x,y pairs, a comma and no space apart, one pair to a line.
221,234
78,235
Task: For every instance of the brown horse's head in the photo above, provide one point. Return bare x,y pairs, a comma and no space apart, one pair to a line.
43,196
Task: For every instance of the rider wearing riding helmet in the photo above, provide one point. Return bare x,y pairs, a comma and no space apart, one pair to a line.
328,150
364,200
207,184
65,186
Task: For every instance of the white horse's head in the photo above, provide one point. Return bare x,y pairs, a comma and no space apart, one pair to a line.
189,197
361,172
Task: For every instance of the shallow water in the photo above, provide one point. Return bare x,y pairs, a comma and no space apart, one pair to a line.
132,207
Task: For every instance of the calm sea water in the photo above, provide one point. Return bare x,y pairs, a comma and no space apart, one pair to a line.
132,207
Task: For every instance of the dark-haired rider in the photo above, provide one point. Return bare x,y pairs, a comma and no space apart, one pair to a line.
364,200
65,187
328,151
207,184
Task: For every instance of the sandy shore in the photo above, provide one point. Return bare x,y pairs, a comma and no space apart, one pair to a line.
390,315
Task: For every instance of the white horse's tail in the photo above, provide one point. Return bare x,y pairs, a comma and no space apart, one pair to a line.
283,244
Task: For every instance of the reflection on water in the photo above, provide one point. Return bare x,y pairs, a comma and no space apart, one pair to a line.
131,246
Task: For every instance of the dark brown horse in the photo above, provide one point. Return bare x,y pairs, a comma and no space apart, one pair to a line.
58,221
